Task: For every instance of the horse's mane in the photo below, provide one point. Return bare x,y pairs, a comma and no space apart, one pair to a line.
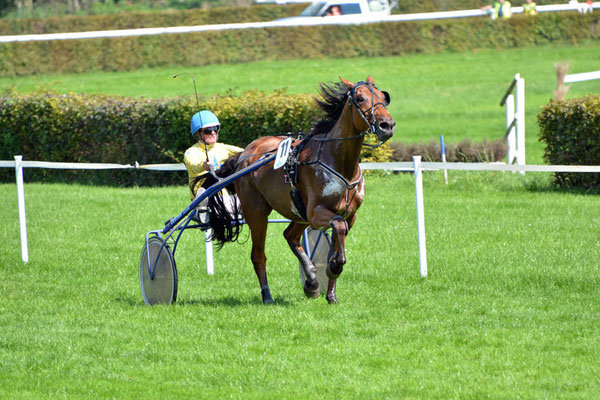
332,103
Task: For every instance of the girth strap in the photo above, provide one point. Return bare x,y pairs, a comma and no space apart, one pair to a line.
298,203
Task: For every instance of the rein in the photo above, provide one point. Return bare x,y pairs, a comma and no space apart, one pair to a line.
372,129
374,106
292,163
291,166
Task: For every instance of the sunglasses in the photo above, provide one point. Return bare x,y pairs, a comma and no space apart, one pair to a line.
211,130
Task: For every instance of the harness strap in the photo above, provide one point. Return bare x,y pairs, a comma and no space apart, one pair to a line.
340,176
337,217
298,203
291,166
349,185
196,180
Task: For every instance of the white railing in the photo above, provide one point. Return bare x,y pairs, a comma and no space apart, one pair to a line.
19,164
416,166
309,21
515,121
585,76
562,78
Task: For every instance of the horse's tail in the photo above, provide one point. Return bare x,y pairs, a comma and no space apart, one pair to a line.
224,211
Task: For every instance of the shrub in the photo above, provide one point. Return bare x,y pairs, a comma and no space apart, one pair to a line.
571,131
114,129
465,151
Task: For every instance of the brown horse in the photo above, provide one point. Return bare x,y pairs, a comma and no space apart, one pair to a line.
323,173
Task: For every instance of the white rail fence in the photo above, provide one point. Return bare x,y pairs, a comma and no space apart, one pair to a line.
585,76
342,20
515,121
562,78
417,167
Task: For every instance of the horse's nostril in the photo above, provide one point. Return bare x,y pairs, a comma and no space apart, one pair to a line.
387,126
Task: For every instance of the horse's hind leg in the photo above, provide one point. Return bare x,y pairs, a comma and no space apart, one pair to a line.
259,258
256,213
292,234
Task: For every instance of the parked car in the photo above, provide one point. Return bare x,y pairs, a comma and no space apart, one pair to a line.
343,8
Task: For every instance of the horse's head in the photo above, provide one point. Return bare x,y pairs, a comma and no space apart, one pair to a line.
371,103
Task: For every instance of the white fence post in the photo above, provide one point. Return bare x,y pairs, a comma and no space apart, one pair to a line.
420,215
21,199
515,121
520,105
510,137
210,263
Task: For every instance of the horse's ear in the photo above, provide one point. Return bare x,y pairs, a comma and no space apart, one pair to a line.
349,85
387,97
370,80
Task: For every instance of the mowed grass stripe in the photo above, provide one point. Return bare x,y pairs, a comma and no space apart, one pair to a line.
509,309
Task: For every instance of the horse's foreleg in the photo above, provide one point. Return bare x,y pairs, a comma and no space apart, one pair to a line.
340,229
321,216
331,296
292,234
335,266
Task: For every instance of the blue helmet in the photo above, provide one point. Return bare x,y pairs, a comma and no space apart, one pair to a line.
203,119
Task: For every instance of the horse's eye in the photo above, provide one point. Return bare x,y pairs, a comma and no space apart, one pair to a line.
360,99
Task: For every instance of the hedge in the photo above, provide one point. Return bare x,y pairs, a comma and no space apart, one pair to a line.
114,129
134,20
237,46
418,6
465,151
571,131
218,15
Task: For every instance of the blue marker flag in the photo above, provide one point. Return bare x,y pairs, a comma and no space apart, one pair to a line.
443,148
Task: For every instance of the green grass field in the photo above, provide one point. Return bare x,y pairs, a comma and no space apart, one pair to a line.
452,94
510,308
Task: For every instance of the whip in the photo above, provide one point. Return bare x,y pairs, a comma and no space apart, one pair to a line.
210,166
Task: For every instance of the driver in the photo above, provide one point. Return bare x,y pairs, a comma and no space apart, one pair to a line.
334,11
205,155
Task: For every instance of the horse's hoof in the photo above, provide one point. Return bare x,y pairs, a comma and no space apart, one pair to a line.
312,290
266,296
331,274
332,299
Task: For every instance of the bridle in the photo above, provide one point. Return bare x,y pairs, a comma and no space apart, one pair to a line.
373,128
290,168
353,103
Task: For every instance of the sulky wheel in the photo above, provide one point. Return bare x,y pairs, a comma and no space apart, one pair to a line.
319,249
160,287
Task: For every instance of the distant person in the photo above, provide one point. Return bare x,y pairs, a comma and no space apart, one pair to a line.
529,8
206,155
500,9
581,7
376,6
334,11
